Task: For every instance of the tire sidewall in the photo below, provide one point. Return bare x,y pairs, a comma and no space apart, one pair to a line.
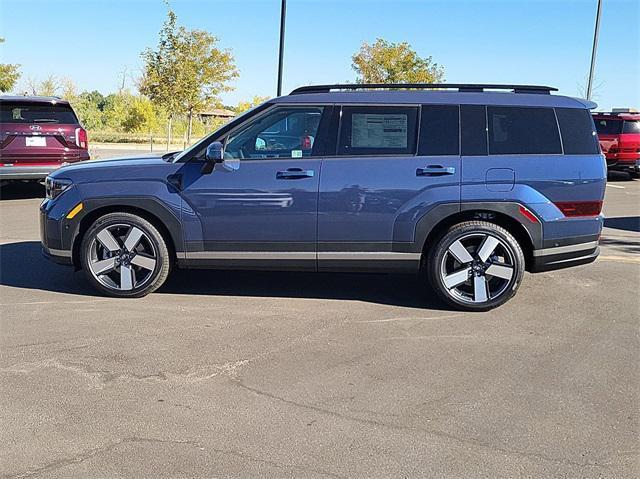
158,275
458,231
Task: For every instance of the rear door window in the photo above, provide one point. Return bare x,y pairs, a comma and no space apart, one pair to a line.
631,126
473,130
522,131
11,112
378,130
578,134
439,130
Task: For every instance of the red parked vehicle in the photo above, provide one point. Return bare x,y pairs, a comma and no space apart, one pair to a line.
37,136
619,135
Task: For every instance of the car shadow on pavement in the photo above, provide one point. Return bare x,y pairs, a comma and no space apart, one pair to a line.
23,266
21,191
632,247
627,223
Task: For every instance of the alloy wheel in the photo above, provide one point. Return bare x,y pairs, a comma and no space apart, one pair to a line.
122,257
477,268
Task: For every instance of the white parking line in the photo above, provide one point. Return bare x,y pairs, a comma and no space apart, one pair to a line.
615,186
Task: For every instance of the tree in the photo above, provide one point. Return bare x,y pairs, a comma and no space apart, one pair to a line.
50,86
9,74
385,62
247,105
186,72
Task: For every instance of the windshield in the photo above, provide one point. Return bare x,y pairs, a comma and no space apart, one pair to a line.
608,126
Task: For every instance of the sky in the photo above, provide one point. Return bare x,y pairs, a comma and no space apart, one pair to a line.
545,42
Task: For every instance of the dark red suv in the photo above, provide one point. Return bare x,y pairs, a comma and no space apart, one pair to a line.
37,136
619,135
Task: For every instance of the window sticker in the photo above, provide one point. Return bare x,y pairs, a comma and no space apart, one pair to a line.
371,130
296,153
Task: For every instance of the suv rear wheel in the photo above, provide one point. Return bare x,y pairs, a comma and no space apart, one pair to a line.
124,255
476,266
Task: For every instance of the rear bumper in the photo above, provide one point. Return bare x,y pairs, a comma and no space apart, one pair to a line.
26,172
627,165
564,256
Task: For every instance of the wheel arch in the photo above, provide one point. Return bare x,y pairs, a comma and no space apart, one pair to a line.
528,235
166,223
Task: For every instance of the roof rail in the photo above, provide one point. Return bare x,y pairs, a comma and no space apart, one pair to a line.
462,87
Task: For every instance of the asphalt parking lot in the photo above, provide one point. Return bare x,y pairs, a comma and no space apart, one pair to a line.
239,374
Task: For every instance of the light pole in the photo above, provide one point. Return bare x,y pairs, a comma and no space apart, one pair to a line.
593,51
283,14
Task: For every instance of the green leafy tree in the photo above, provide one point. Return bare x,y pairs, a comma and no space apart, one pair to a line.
9,74
243,106
141,116
88,110
385,62
186,71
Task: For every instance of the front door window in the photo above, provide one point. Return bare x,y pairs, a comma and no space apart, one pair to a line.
284,132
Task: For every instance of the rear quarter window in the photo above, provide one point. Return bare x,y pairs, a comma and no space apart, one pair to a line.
11,112
522,131
631,126
578,134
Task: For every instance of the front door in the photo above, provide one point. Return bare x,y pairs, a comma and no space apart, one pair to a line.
259,207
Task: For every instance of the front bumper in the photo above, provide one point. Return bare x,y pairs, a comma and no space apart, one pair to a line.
56,232
559,257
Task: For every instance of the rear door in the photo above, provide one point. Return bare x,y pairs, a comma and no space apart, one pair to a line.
37,133
381,181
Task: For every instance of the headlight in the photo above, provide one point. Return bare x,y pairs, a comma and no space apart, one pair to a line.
55,186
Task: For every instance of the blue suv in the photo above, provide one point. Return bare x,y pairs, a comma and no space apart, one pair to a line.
466,185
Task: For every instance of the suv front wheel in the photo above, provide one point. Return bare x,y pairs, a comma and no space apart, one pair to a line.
124,255
476,266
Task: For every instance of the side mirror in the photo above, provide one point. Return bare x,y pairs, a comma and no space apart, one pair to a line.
215,152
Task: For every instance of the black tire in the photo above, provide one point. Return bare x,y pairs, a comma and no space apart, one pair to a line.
153,242
440,255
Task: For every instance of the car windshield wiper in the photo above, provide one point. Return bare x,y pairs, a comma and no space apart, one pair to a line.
45,120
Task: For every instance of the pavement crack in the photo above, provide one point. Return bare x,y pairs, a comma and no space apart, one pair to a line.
91,453
98,379
444,435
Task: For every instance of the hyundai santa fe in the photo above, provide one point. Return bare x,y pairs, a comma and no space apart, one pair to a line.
467,186
37,136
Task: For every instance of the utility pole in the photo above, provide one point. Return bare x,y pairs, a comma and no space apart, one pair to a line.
593,51
283,14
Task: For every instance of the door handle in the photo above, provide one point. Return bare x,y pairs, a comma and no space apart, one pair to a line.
435,170
294,174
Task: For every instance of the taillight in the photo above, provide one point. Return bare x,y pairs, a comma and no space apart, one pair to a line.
580,208
81,138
